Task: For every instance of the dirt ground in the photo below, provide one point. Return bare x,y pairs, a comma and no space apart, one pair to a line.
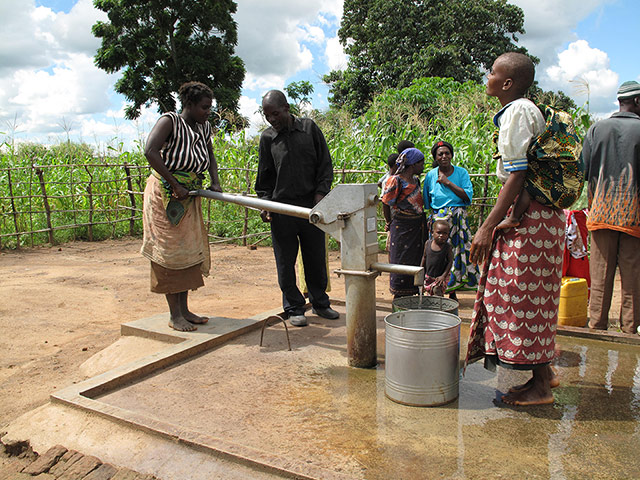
61,305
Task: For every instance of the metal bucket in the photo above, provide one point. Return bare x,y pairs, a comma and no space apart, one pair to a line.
425,302
422,349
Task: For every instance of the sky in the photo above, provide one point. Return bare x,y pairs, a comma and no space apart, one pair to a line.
51,91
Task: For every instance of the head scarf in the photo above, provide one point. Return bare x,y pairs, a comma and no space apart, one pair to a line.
409,156
629,89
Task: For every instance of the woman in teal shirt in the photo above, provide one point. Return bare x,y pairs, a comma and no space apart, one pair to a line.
448,192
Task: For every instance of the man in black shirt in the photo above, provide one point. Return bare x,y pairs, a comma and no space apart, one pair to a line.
295,167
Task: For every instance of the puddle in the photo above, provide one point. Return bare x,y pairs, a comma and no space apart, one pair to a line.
308,405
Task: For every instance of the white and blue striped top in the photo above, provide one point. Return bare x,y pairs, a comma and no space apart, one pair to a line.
519,121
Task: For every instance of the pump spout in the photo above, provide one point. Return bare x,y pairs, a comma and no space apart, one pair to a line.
416,272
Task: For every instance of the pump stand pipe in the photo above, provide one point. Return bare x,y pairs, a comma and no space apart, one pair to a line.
348,214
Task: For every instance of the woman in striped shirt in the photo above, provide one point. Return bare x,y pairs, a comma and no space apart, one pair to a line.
175,239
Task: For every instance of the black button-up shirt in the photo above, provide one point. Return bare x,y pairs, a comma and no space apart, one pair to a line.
294,165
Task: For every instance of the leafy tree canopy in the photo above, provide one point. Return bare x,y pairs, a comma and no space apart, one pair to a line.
557,99
392,42
160,44
300,95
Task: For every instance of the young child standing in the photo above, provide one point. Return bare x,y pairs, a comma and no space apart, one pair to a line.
519,121
437,259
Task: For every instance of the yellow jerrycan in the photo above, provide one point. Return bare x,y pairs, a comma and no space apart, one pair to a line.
572,310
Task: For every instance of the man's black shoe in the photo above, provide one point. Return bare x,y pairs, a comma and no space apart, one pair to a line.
327,312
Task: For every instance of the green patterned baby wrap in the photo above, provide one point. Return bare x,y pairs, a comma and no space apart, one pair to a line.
555,175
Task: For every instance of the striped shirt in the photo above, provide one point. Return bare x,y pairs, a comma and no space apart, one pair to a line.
185,149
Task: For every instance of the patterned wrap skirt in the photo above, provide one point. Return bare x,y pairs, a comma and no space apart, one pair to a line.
463,273
407,237
516,309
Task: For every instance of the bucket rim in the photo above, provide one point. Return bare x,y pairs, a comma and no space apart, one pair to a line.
396,301
457,319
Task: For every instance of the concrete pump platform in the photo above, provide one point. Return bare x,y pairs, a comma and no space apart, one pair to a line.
214,404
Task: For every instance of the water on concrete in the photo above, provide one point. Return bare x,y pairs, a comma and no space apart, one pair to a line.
306,407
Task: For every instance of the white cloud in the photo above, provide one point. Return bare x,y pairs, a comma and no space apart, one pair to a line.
261,83
111,129
41,98
47,76
36,36
249,107
550,24
48,82
92,128
565,60
309,33
334,53
580,65
23,40
272,36
332,7
73,30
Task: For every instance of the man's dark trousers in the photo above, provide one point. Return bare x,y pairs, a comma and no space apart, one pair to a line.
286,234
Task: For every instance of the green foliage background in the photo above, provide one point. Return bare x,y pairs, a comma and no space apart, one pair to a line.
392,42
429,110
160,44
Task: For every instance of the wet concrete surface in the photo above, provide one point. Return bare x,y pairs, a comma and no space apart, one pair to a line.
307,408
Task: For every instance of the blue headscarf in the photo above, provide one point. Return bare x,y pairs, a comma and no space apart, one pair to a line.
409,156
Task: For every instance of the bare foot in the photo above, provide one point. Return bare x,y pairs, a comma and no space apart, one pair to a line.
196,319
181,325
508,222
554,382
531,396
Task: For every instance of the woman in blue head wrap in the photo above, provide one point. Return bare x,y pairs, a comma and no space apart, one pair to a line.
402,207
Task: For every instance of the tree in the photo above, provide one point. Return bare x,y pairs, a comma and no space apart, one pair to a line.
392,42
160,44
300,95
559,99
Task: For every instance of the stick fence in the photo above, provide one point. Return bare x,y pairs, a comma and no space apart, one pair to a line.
58,203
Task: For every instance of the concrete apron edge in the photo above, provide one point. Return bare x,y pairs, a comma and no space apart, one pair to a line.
205,443
82,396
601,335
